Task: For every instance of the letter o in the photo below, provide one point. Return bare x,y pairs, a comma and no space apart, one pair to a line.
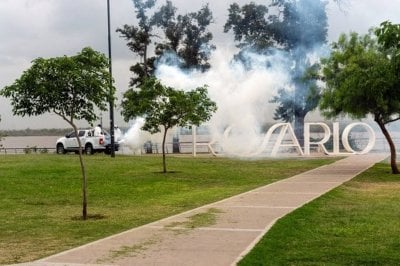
371,136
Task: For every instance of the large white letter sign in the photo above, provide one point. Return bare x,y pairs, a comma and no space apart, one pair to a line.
371,140
320,143
285,137
286,128
345,138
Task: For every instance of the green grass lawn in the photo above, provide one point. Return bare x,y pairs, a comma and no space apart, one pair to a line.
40,195
355,224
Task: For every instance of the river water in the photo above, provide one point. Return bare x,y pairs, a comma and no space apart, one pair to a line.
19,144
30,141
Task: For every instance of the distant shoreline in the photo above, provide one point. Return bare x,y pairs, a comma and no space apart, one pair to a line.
11,142
39,132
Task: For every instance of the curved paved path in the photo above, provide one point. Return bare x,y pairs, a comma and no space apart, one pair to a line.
231,228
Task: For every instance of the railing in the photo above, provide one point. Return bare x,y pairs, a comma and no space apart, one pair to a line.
27,150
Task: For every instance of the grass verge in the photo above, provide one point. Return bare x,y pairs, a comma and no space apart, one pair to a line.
355,224
40,195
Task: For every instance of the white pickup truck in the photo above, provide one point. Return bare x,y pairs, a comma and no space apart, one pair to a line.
90,143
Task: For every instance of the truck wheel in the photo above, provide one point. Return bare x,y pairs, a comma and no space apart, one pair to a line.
60,149
89,149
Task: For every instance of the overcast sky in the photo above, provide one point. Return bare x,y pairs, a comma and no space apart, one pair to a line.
47,28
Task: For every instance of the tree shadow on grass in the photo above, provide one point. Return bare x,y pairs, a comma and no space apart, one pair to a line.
168,172
89,217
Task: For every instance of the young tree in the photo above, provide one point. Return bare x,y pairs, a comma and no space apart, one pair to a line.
164,107
295,27
1,138
71,87
362,77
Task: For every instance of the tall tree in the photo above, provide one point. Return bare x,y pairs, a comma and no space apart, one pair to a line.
172,26
186,36
186,40
139,39
362,77
251,26
164,108
196,48
294,26
70,87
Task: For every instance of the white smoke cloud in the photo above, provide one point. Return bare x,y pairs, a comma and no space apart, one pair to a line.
242,95
134,137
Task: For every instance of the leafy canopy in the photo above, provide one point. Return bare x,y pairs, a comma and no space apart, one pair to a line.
283,24
68,86
186,40
186,36
360,79
164,106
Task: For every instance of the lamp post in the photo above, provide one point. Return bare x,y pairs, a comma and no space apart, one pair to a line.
110,83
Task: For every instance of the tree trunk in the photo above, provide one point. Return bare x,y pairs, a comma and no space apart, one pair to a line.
163,150
146,72
84,179
299,128
393,163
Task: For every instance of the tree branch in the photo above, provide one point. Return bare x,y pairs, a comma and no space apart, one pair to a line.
392,120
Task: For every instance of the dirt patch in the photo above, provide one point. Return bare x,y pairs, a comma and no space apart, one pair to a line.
202,219
375,187
128,251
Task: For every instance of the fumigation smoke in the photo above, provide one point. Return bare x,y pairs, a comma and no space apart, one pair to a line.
242,97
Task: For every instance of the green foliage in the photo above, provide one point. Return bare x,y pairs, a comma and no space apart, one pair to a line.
139,39
250,26
360,80
301,24
362,77
389,35
70,87
305,98
185,37
283,24
167,107
197,49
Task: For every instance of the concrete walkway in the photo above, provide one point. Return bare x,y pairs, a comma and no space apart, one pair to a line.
228,230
